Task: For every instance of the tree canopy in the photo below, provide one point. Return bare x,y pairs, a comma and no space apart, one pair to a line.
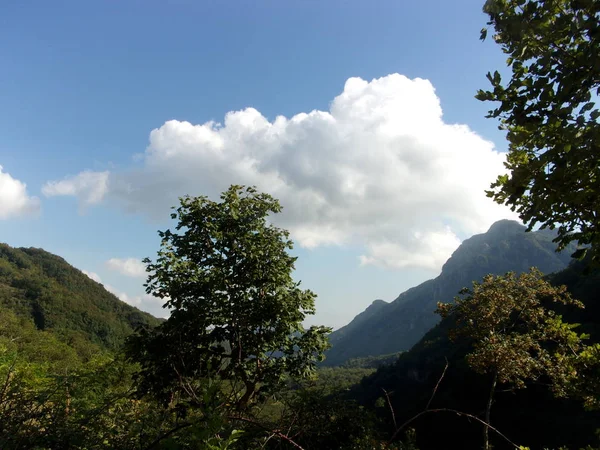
516,335
549,111
236,312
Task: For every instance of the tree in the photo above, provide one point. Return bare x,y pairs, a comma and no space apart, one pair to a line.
549,111
236,312
515,335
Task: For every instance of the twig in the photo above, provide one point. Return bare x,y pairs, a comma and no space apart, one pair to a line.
264,444
437,385
157,441
292,424
459,413
277,433
391,408
427,410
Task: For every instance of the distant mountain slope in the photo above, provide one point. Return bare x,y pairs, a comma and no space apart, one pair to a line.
550,422
385,328
61,299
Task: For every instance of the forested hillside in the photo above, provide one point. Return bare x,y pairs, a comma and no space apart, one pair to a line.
532,415
59,298
493,354
392,327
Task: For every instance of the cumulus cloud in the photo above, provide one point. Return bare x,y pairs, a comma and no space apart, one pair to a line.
429,250
131,300
130,267
145,302
89,187
14,200
380,170
92,275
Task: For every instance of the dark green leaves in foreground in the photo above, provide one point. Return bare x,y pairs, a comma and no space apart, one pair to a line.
549,109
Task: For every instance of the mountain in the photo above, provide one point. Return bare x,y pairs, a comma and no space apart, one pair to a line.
61,299
385,328
532,417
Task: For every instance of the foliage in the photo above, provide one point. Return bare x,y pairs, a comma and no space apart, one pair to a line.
515,335
583,280
532,416
26,380
330,422
587,383
236,311
39,285
371,362
49,398
549,110
336,379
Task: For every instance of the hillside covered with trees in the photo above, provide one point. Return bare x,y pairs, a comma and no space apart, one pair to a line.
514,362
59,298
438,365
397,326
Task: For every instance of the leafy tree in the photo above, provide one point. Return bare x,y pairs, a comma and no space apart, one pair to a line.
236,312
587,384
549,110
515,336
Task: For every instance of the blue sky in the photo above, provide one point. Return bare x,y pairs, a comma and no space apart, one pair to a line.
378,186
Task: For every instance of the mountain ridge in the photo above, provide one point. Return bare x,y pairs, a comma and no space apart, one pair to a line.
60,298
415,374
396,326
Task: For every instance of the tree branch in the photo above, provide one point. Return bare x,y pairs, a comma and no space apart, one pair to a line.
391,407
156,441
437,384
459,413
427,410
277,433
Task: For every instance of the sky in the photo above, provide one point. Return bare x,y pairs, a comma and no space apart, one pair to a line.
358,116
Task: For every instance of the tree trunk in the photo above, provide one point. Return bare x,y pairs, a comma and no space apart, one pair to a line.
486,437
250,391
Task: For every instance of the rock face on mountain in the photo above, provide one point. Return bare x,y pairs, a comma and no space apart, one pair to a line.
393,327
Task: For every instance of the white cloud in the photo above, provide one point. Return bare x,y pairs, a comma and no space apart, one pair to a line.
381,170
131,300
93,275
130,267
89,187
145,302
429,250
14,200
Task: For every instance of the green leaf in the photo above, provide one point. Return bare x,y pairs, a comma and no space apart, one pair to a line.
483,34
579,253
587,107
552,51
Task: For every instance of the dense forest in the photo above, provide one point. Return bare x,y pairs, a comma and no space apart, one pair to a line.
61,299
511,358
